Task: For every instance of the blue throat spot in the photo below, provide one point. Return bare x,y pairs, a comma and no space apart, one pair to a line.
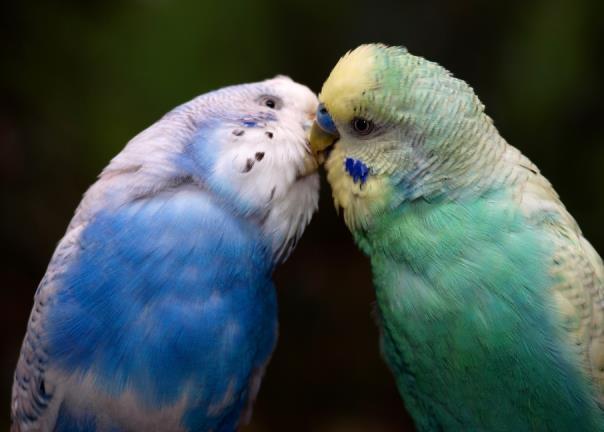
259,119
357,170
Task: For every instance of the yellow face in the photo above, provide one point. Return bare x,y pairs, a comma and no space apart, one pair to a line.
358,201
349,80
353,164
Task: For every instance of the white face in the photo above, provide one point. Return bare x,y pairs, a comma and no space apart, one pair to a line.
264,155
263,158
247,143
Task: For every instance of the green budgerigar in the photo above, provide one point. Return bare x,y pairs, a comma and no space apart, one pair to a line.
490,300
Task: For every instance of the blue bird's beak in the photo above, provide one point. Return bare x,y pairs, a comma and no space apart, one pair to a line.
323,134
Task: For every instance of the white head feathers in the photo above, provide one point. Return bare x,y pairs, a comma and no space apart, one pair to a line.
246,145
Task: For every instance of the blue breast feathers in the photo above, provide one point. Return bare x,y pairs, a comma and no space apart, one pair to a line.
170,294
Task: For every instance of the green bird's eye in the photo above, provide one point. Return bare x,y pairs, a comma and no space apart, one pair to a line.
362,126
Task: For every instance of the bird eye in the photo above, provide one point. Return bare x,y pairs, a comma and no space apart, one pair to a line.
273,102
362,126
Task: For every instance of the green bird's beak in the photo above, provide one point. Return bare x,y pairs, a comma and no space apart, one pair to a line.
320,141
323,134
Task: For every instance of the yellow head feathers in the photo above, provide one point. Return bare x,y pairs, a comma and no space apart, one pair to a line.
350,78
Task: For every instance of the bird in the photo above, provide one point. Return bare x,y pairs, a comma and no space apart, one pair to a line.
157,311
489,298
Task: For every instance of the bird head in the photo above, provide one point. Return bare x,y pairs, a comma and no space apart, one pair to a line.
393,127
246,146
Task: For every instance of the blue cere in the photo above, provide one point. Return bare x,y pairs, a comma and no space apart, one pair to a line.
357,170
325,121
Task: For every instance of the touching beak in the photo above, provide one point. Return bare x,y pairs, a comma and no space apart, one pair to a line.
311,164
323,133
320,140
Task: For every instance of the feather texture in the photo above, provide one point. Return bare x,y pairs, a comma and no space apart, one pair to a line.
490,299
157,311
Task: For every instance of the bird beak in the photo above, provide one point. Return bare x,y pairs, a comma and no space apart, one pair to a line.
311,164
323,134
321,142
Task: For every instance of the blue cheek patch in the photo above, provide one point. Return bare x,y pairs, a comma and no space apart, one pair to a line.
258,119
325,121
357,170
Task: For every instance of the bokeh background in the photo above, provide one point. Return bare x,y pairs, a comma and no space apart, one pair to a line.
78,79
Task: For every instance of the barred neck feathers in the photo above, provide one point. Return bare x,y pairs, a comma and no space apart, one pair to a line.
454,144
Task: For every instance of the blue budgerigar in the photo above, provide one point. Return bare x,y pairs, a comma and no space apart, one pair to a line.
157,311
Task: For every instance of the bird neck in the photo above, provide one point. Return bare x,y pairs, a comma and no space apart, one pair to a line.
469,161
416,232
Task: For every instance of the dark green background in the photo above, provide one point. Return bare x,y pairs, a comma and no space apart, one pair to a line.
80,79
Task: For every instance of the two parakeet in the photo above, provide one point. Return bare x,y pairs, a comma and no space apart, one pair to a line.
157,311
490,300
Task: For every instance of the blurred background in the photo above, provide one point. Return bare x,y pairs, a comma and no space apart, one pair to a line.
78,79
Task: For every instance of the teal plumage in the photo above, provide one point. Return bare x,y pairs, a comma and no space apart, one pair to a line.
490,299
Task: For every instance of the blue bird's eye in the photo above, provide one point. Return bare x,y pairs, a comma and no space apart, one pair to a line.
325,121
